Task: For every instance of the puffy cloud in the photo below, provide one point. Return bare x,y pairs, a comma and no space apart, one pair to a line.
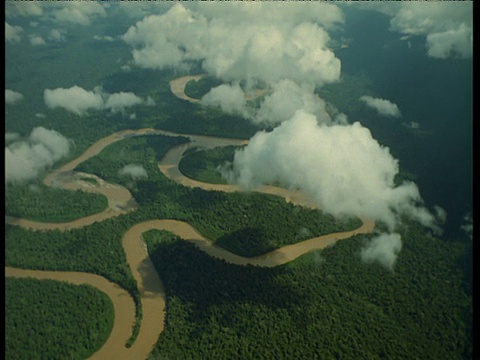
451,42
233,45
135,171
383,107
141,9
9,137
23,8
74,99
230,98
13,33
24,160
103,38
36,40
286,98
57,35
79,13
278,45
79,100
118,101
383,249
12,97
341,168
448,25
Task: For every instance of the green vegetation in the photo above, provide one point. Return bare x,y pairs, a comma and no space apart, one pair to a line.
48,319
38,202
313,307
202,165
197,89
248,224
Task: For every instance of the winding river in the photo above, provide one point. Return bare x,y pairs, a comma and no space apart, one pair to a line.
149,284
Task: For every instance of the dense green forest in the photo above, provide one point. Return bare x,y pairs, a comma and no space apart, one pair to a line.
202,165
54,320
196,89
313,307
35,201
326,304
248,224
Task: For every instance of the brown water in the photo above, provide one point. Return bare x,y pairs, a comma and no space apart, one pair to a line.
149,283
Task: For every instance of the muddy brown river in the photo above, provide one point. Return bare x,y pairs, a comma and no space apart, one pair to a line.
149,283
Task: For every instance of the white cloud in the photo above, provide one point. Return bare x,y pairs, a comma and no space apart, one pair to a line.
286,98
382,106
23,8
12,97
118,101
103,38
383,249
24,160
341,168
135,171
453,42
233,45
278,45
36,40
74,99
13,33
80,13
230,98
9,137
57,35
79,100
447,25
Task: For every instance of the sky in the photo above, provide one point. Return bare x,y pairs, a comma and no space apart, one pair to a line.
292,49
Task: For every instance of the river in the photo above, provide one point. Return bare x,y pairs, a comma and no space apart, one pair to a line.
149,283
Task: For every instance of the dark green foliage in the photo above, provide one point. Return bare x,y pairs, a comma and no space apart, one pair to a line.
202,165
144,150
41,203
96,249
245,223
314,307
48,319
196,89
252,224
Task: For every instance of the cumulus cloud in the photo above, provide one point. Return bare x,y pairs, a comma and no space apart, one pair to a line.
24,160
135,171
234,45
281,46
74,99
79,100
13,33
286,98
80,13
383,249
103,38
230,98
57,35
382,106
23,8
12,97
9,137
447,25
36,40
341,168
118,101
